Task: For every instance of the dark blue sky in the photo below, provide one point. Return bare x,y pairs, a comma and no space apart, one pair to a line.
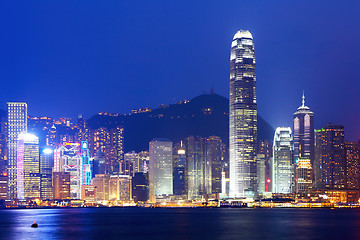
70,57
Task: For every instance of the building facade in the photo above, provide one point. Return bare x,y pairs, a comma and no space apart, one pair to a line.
67,158
61,185
161,169
140,187
179,172
28,167
330,158
352,150
17,123
46,166
195,149
303,175
282,161
243,116
213,165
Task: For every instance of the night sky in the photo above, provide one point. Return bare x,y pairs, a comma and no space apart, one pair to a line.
69,57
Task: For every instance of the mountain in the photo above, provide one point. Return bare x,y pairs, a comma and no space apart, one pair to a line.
204,115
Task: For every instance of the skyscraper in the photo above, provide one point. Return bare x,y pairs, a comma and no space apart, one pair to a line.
352,165
179,172
243,116
304,147
140,187
28,167
86,165
195,167
67,158
304,133
265,151
46,165
282,161
61,185
17,123
161,170
330,160
213,165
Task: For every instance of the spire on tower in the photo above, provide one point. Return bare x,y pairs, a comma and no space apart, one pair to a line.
303,99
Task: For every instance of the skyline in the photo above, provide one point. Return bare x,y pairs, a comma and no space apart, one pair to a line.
104,56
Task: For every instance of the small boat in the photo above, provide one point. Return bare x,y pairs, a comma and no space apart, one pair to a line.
34,225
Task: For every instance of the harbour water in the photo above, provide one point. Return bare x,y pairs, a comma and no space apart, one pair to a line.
180,223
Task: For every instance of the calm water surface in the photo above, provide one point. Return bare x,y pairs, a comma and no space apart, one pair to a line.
145,223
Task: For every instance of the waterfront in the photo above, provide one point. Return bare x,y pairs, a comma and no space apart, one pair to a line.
185,223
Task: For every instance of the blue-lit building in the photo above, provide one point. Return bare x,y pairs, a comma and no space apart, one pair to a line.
179,173
46,165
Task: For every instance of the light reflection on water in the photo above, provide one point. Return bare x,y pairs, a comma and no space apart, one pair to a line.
141,223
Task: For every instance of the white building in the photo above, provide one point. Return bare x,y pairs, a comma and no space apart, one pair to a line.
282,164
242,116
161,169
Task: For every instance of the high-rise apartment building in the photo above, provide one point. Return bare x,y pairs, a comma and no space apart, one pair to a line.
161,169
282,161
330,160
243,116
132,163
17,123
111,143
117,149
28,167
352,151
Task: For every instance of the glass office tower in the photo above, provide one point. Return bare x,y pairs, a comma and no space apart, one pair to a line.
282,161
243,116
28,167
161,169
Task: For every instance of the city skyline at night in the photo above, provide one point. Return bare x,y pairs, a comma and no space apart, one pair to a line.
179,120
50,54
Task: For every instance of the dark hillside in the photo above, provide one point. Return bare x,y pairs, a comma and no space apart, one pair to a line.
205,115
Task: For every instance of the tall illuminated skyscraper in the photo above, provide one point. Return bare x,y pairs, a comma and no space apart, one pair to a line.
330,161
282,161
28,167
243,116
304,142
161,169
17,123
46,165
304,139
195,167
